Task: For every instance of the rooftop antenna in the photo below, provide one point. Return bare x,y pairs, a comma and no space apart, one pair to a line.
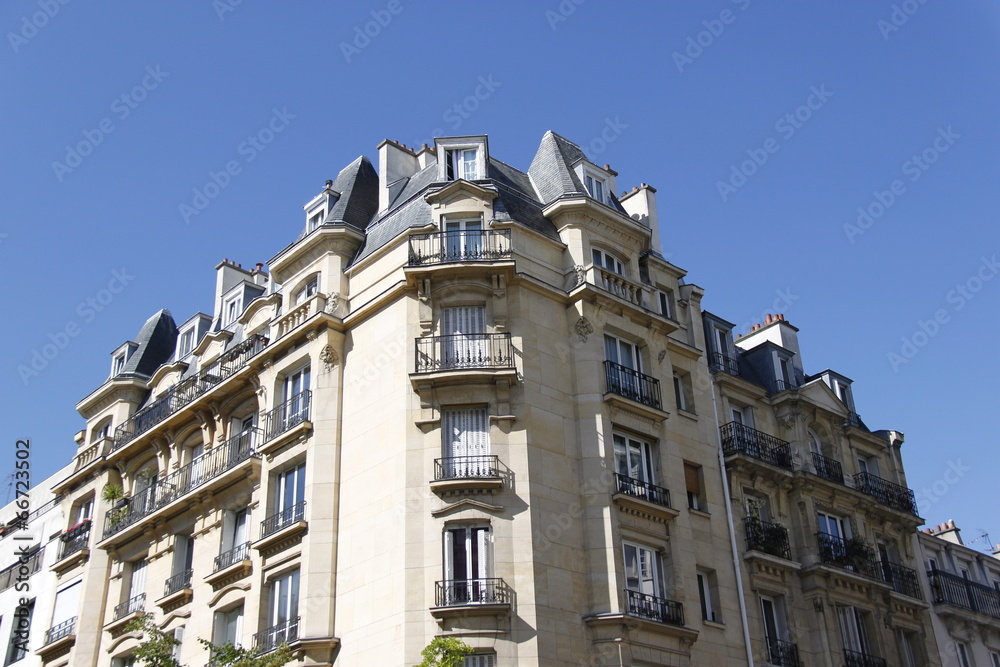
983,536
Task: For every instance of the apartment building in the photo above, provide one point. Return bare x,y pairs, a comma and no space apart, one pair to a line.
964,586
827,520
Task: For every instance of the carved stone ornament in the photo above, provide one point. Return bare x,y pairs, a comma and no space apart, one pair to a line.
581,274
329,357
583,328
332,302
661,355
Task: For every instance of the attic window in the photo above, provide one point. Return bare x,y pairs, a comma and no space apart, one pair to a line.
596,187
462,163
185,343
315,220
118,364
231,310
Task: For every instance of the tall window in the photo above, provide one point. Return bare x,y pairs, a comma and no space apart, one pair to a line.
118,364
596,187
868,464
834,526
854,630
464,344
296,408
633,458
682,390
289,494
622,352
708,595
692,480
183,562
228,627
466,442
643,570
468,563
185,343
666,300
315,220
463,239
909,648
962,653
67,604
136,586
235,532
283,611
231,310
462,163
775,627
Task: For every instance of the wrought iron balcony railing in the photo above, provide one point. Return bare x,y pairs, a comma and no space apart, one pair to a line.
75,539
637,488
288,415
57,632
959,591
782,653
486,245
653,608
827,468
769,538
464,351
887,493
178,582
467,467
187,390
902,579
778,385
234,555
164,491
740,439
633,385
283,519
130,606
860,659
852,554
23,568
454,592
720,362
271,638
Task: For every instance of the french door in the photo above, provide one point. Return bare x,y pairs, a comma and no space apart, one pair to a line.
466,443
468,564
464,345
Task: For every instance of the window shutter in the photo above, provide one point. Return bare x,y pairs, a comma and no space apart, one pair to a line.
449,550
691,480
484,543
138,578
67,601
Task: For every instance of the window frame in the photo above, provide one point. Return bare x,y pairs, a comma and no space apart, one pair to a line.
655,569
694,485
600,258
308,290
626,444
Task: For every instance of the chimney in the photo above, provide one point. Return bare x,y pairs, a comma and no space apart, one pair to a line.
395,163
227,275
426,156
949,532
640,204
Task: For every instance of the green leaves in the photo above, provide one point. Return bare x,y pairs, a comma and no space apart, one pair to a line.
445,652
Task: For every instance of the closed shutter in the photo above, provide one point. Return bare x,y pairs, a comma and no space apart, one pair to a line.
691,480
67,602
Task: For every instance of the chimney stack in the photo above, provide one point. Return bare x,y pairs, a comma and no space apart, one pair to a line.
395,163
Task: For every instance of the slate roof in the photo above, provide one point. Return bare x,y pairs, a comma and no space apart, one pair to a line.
156,342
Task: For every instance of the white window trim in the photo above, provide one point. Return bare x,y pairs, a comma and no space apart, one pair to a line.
444,151
229,314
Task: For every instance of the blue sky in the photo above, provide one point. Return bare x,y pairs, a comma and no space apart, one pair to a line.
765,128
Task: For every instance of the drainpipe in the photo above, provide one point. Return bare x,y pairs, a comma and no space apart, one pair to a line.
732,535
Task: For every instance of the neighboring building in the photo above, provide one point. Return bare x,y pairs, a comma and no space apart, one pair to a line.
476,401
825,514
33,599
964,585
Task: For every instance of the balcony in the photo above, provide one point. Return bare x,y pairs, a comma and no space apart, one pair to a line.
283,529
485,595
74,547
178,582
230,566
271,638
782,653
860,659
22,569
768,538
616,284
887,493
463,473
488,245
287,421
852,554
464,352
633,385
636,488
182,393
827,468
740,439
960,592
198,473
653,608
231,557
282,519
58,640
902,579
720,362
60,631
133,605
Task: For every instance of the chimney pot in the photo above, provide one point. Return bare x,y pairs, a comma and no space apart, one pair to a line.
607,167
634,188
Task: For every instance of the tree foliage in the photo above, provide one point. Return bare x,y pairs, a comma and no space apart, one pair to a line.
157,649
445,652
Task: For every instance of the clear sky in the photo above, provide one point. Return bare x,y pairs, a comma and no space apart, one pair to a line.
834,161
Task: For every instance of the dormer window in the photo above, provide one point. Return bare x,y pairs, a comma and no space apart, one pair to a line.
462,158
844,394
308,290
120,357
231,310
462,163
315,220
185,343
596,187
118,365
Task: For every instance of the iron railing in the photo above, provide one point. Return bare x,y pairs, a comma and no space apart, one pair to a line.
887,493
164,491
485,245
902,579
467,467
720,362
187,390
852,554
630,486
58,631
632,384
654,608
22,569
452,592
740,439
464,351
75,539
860,659
779,385
769,538
782,653
827,468
282,519
130,606
178,582
288,415
234,555
271,638
961,592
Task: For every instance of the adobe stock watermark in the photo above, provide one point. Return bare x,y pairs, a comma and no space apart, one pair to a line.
223,7
86,312
957,297
612,129
460,111
786,126
30,25
714,28
247,151
364,34
928,496
562,12
900,15
914,168
122,107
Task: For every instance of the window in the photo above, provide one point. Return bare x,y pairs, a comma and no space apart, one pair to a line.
464,344
708,594
633,458
283,611
785,374
289,494
854,629
666,300
962,653
462,163
868,464
834,526
308,290
464,239
909,648
185,343
480,660
775,628
315,220
682,391
123,661
468,563
643,570
136,587
235,533
83,511
183,562
722,341
692,480
175,651
844,394
742,415
66,607
228,627
118,364
20,629
296,408
994,659
932,564
231,310
606,260
757,507
466,442
622,353
596,187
